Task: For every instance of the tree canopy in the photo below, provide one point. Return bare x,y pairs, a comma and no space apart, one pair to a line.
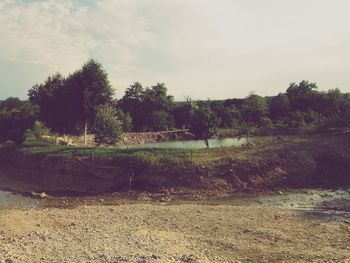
16,117
84,99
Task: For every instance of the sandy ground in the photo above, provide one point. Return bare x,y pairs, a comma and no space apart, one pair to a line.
158,232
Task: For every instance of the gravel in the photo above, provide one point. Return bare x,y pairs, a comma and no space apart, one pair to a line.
172,233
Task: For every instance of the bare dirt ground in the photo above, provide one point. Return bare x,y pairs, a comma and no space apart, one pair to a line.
161,232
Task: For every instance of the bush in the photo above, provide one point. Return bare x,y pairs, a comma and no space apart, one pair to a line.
306,121
107,126
16,117
39,130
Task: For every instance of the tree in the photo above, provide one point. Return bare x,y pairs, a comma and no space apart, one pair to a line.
204,124
89,88
132,103
52,99
302,96
156,98
107,126
16,117
140,103
279,107
160,121
247,130
181,111
126,120
254,109
229,115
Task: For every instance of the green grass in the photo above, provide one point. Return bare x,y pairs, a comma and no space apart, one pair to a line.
169,157
143,157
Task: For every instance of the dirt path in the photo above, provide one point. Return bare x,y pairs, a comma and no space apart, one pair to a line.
172,233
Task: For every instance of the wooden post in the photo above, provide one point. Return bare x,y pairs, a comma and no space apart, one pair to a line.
85,133
130,180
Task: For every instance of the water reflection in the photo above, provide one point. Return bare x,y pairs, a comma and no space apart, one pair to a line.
192,144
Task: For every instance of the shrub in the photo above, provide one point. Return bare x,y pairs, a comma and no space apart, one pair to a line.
107,126
39,130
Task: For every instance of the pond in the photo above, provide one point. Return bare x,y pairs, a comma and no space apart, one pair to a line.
191,144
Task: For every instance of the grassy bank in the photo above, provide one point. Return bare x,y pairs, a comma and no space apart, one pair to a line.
287,161
152,156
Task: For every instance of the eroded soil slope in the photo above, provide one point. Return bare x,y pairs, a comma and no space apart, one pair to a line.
284,162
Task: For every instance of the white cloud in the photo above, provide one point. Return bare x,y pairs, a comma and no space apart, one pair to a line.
201,48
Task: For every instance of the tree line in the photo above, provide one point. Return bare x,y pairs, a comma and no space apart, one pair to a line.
83,102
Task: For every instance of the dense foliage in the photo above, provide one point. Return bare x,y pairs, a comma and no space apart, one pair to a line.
76,104
16,117
68,106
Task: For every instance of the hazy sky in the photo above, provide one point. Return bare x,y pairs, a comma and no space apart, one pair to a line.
198,48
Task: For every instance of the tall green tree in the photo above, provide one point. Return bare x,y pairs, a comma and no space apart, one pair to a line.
52,100
89,88
145,106
132,103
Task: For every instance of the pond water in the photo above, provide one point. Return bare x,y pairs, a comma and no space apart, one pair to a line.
191,144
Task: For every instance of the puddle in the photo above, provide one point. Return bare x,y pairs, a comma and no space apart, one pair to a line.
8,199
330,201
309,199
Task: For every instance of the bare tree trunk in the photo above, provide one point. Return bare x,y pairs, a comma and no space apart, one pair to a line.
85,133
206,143
56,139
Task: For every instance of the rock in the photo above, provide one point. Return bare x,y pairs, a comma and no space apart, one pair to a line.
155,257
42,195
280,192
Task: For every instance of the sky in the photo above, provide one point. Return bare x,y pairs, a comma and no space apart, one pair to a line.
198,48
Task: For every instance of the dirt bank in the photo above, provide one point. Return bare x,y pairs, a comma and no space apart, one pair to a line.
313,161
